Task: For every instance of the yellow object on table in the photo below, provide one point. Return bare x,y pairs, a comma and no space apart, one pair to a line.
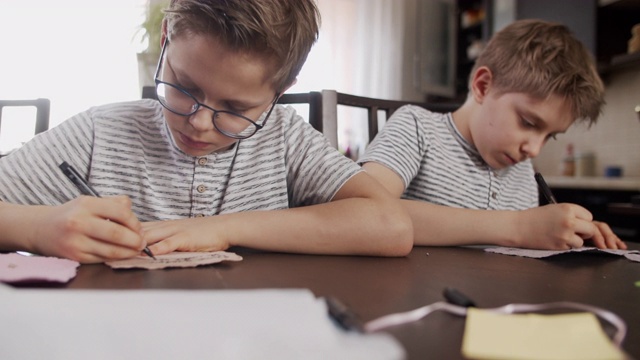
489,335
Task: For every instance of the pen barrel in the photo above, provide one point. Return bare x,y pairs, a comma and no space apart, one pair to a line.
546,191
77,180
346,318
455,297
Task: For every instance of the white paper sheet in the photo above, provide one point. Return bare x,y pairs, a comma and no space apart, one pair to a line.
178,324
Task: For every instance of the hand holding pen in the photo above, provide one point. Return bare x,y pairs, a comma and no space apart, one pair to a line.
546,191
602,237
86,189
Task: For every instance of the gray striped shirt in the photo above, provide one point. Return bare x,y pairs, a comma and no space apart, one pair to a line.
127,149
439,166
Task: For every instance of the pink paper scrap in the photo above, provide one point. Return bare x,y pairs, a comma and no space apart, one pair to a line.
16,268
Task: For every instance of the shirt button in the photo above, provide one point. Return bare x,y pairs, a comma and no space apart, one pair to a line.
201,188
494,195
202,161
199,215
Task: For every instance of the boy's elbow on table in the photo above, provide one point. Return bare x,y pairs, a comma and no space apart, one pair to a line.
399,228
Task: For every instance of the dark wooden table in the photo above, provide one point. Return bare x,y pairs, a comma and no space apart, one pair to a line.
377,286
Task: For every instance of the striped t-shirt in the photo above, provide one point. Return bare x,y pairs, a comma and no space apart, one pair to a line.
439,166
127,149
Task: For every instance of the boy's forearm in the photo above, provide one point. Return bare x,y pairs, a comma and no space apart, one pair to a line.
354,226
439,225
14,226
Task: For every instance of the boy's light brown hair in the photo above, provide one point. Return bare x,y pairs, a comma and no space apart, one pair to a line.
280,31
540,59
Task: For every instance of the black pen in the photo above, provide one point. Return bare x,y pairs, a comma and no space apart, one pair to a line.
546,191
455,297
346,318
86,189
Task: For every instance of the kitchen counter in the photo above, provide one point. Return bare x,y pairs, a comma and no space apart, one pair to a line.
595,183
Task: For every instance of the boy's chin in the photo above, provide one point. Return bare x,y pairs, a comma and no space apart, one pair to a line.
196,152
496,165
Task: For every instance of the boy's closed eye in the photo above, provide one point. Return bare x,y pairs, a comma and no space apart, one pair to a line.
527,123
236,108
225,105
533,125
192,90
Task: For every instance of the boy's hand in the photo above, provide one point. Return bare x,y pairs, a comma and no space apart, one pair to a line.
194,234
562,226
88,229
604,238
555,227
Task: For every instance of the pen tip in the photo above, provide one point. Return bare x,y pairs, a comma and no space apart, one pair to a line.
149,253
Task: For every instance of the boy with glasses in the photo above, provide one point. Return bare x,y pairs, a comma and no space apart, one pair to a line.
214,163
466,177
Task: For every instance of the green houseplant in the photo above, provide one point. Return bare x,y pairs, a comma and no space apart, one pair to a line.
150,32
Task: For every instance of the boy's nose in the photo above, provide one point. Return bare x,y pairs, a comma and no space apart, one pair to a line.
531,148
202,120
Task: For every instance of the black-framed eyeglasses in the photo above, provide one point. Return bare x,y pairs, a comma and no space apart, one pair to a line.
181,102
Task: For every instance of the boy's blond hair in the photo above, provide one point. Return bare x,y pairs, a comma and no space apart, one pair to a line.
540,59
280,31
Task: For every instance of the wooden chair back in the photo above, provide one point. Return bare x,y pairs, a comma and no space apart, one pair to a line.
43,108
332,99
323,109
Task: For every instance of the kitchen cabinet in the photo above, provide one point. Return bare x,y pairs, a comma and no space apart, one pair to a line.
451,32
615,20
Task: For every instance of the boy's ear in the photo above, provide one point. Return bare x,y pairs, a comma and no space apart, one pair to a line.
284,90
163,37
481,83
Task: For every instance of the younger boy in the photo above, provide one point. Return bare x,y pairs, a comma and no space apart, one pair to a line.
214,163
467,177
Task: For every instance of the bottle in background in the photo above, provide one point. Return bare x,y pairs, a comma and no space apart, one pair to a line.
568,162
584,164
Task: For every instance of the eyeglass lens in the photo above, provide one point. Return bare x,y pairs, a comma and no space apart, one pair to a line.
182,103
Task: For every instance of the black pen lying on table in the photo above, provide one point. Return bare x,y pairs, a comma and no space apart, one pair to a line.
546,191
86,189
343,315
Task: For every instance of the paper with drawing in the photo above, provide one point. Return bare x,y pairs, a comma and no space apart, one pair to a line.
174,259
633,255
